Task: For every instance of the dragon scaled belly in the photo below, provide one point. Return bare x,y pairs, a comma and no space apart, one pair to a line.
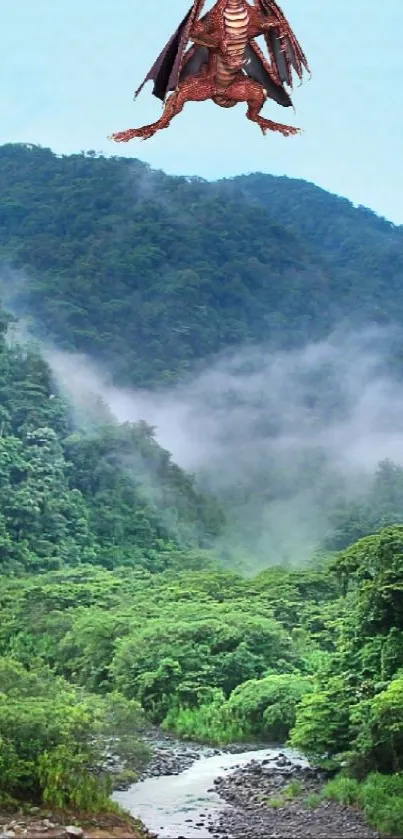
236,21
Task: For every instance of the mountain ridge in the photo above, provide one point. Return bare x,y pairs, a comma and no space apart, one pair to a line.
153,274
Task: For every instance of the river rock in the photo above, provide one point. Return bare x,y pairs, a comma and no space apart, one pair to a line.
250,816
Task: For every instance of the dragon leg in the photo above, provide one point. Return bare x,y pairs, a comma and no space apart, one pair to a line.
247,90
193,89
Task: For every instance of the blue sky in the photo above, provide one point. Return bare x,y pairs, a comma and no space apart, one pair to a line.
68,69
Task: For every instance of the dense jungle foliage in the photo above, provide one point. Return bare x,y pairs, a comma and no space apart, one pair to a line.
109,618
115,607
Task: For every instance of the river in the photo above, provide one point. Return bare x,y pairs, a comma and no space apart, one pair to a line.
186,804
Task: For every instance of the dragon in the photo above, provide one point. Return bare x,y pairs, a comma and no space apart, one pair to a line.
225,63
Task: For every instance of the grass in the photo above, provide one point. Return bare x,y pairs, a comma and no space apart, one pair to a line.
343,789
313,800
275,802
207,724
291,791
380,797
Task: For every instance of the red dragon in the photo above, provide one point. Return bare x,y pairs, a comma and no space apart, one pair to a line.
224,63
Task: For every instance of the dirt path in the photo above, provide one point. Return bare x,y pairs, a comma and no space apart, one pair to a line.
19,825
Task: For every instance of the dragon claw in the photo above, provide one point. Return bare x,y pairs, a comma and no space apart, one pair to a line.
125,136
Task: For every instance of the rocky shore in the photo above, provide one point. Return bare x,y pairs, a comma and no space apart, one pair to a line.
171,756
276,798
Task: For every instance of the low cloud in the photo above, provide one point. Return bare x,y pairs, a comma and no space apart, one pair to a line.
279,437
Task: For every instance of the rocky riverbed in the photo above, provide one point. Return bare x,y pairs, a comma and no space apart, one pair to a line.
171,756
275,798
194,792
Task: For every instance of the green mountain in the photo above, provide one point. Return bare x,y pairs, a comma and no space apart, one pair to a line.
363,251
153,274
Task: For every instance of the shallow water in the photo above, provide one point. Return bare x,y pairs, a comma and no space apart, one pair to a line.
170,806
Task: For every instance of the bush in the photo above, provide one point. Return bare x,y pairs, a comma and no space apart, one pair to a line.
379,724
322,723
53,738
379,796
267,707
66,782
257,708
343,789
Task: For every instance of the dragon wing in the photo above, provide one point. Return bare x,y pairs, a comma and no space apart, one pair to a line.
166,70
285,51
193,61
257,68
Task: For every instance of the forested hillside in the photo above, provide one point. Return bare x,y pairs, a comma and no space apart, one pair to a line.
152,274
115,606
364,251
101,495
